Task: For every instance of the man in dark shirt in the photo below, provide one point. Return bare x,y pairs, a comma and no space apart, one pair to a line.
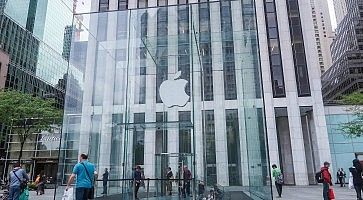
187,176
137,178
104,181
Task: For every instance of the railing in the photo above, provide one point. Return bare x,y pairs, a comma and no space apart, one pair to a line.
147,188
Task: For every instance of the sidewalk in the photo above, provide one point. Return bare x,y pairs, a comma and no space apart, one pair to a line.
289,193
313,193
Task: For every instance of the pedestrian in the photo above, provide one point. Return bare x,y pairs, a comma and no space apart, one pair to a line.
137,179
278,177
85,172
201,189
341,177
41,183
356,173
105,181
18,180
169,183
178,177
327,180
187,176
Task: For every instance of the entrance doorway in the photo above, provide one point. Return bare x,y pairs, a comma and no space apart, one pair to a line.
176,161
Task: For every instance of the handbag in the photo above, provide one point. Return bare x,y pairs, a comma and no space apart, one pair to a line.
331,194
91,191
68,194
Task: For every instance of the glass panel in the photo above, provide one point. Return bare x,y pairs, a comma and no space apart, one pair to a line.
165,88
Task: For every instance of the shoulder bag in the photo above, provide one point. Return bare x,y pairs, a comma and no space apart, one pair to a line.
23,183
91,192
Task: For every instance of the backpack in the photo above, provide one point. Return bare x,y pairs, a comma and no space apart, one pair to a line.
319,177
280,179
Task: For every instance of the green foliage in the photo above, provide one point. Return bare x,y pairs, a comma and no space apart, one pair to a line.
26,114
354,128
32,186
355,98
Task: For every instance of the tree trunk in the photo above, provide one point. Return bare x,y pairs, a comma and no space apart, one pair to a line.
21,150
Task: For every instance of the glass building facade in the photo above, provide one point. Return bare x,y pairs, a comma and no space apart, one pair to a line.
168,86
32,36
343,149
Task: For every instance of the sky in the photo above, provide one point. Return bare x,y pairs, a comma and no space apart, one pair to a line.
332,14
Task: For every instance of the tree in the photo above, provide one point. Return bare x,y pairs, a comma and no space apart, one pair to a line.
354,128
25,114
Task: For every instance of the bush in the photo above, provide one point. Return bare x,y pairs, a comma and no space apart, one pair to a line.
32,186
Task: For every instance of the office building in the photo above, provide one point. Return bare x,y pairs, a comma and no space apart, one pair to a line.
346,74
340,8
323,32
30,37
169,83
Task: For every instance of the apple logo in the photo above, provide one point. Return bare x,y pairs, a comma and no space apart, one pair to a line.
172,91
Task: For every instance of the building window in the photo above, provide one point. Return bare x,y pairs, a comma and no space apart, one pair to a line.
116,145
161,49
234,151
102,27
277,76
121,31
161,138
162,2
139,138
104,5
230,88
297,41
122,4
184,45
209,146
142,3
205,52
185,143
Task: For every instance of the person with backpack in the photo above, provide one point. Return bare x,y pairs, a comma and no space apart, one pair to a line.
85,172
277,175
326,180
356,172
18,179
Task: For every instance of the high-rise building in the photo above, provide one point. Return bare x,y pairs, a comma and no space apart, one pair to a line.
202,84
340,8
323,32
30,33
346,74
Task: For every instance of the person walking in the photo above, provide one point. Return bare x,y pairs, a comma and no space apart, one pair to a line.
105,181
17,182
137,179
187,176
179,175
169,182
356,172
327,182
341,177
85,172
41,183
278,177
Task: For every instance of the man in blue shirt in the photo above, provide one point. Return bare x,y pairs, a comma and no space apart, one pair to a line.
16,176
85,179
